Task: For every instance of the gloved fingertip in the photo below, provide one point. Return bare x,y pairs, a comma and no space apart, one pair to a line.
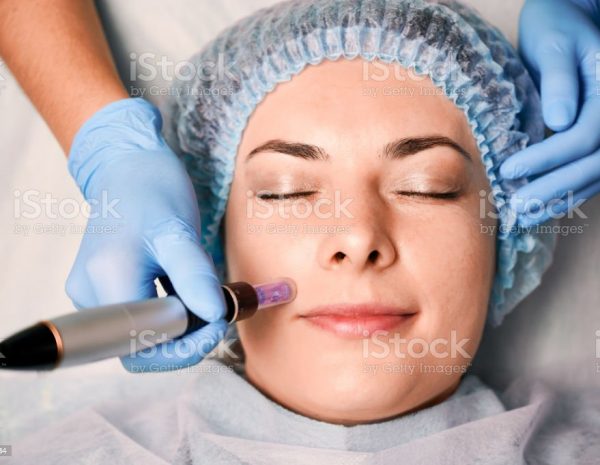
513,170
559,115
221,326
205,298
507,170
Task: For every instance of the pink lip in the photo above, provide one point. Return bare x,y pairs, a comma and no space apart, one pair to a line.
357,321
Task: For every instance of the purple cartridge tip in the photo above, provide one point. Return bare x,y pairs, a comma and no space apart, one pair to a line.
275,293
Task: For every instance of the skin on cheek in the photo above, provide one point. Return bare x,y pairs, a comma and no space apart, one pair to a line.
453,261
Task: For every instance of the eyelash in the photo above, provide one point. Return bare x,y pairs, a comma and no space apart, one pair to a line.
433,195
291,195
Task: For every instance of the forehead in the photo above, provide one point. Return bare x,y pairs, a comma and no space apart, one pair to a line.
352,102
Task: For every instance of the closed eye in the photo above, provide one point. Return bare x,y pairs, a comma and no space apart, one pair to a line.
282,196
434,195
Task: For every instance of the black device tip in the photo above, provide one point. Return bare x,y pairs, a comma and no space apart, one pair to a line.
33,348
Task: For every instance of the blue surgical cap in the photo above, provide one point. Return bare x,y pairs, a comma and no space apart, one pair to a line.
465,56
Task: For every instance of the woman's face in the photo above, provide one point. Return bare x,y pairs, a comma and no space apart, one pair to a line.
385,218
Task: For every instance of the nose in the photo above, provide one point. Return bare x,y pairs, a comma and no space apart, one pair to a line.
365,242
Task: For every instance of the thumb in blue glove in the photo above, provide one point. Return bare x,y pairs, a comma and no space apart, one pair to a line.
144,223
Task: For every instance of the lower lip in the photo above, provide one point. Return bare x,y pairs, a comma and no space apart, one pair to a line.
357,326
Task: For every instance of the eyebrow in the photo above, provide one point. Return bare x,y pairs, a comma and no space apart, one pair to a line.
395,150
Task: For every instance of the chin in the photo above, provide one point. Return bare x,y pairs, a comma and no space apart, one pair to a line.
361,406
361,396
346,395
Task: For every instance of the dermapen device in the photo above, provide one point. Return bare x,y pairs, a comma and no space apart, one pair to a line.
98,333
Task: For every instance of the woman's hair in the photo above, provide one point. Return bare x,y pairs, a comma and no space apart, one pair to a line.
469,59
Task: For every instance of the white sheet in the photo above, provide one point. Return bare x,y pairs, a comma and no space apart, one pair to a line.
217,417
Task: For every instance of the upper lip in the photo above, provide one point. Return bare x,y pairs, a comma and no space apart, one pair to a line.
357,310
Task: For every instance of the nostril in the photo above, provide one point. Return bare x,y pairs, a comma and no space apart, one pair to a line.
339,256
373,256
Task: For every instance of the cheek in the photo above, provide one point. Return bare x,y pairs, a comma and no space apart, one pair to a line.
451,257
246,250
265,241
260,250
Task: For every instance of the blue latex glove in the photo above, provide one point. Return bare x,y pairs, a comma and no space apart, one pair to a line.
560,43
150,229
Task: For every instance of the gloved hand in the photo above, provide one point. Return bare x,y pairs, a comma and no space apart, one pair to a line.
560,43
144,223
